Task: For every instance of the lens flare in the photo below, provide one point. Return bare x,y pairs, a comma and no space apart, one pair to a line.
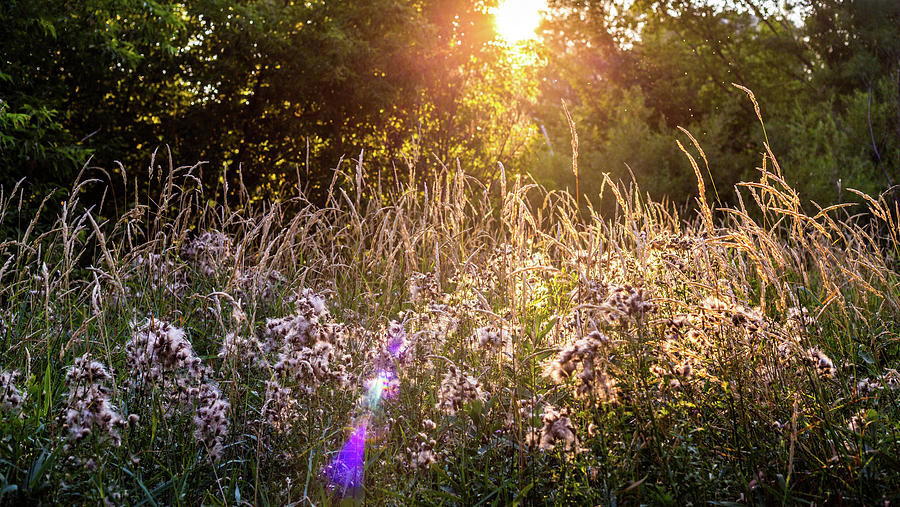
376,388
347,471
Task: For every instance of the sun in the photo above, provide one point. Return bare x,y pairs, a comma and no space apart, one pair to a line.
517,20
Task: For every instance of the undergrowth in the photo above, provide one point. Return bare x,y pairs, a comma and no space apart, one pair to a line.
531,350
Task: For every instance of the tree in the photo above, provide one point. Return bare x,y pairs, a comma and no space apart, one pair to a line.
274,88
78,78
672,62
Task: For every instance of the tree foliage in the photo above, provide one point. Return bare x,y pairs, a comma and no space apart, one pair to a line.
812,66
269,91
269,88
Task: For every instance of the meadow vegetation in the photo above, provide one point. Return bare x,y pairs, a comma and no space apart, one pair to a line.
527,348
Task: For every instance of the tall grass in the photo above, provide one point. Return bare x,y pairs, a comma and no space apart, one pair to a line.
550,355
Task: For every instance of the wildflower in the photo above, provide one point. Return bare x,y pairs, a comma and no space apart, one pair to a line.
279,409
396,347
457,389
678,321
443,320
309,324
491,338
799,320
683,370
157,347
698,339
310,366
680,373
866,386
311,304
159,355
714,305
208,252
633,300
260,283
822,363
891,378
788,346
857,422
421,454
750,319
557,428
678,243
613,303
11,398
423,287
584,355
239,349
383,386
308,343
88,406
211,419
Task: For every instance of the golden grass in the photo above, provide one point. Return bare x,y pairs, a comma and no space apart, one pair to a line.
681,364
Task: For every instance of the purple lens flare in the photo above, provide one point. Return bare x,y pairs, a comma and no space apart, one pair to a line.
347,471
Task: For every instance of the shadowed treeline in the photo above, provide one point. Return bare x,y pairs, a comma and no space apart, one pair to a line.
269,93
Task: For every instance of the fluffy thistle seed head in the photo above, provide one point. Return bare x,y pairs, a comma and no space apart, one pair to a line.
279,410
866,386
423,287
88,406
799,320
557,429
211,420
208,252
457,389
11,398
821,362
584,357
157,348
238,349
491,338
421,455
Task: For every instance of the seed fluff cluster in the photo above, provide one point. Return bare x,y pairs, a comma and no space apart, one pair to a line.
456,390
586,357
557,429
11,398
88,406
